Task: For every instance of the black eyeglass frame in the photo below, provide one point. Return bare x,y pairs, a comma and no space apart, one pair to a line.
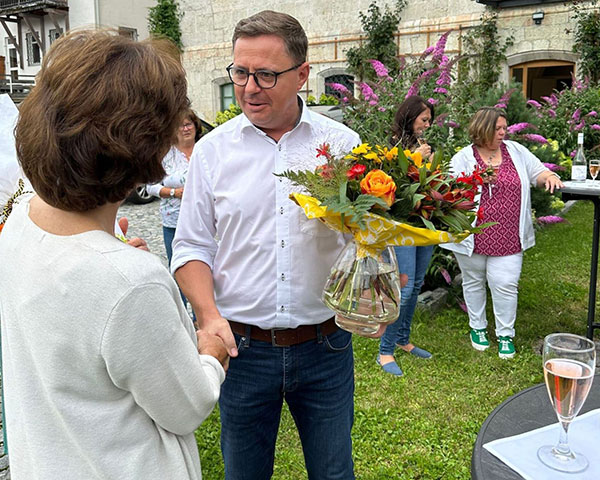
253,74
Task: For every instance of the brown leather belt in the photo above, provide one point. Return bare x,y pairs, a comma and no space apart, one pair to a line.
285,337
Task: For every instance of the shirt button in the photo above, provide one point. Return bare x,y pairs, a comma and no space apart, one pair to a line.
282,308
283,277
281,210
280,180
282,244
279,147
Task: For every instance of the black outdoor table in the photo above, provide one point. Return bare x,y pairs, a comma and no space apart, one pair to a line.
523,412
588,190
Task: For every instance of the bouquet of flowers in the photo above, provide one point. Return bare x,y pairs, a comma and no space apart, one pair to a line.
383,197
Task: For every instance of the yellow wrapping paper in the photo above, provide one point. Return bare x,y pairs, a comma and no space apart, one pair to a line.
379,233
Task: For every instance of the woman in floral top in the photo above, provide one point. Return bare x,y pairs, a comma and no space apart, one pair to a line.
176,163
495,256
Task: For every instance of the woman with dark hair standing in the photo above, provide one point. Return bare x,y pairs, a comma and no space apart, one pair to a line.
102,374
412,118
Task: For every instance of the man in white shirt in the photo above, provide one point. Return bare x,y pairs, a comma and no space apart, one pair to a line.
250,262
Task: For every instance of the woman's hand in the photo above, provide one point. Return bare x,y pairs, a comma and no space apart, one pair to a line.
550,181
179,192
424,150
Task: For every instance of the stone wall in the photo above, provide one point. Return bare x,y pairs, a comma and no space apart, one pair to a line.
334,26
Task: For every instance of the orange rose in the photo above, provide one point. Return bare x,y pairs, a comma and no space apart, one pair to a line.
380,185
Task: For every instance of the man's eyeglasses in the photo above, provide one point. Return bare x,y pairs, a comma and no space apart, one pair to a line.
263,78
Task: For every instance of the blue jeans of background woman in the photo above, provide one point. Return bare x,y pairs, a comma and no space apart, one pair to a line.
413,261
168,235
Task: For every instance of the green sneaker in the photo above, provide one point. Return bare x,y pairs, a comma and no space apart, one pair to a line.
479,339
506,349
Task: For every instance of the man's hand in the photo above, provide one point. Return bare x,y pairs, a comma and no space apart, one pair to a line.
218,326
212,345
136,242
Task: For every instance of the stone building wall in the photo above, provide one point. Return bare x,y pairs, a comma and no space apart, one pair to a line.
334,26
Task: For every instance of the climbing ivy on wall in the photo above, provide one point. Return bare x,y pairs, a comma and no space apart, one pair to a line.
163,21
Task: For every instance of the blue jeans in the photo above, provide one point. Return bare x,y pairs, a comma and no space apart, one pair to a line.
414,262
316,379
168,235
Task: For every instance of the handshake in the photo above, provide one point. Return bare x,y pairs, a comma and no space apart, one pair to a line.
210,344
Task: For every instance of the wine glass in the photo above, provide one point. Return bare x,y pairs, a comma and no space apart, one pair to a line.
569,362
594,167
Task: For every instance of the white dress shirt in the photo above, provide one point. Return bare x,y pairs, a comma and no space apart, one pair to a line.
269,262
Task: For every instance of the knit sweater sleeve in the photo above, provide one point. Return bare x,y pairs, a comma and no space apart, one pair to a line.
149,352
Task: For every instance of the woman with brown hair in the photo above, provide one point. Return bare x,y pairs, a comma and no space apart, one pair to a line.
495,256
412,118
101,369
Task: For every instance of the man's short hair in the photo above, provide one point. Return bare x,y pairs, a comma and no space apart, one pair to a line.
482,128
100,118
282,25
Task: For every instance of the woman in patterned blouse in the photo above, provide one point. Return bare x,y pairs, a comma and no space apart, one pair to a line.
496,254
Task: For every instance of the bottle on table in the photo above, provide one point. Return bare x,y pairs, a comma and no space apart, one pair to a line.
579,168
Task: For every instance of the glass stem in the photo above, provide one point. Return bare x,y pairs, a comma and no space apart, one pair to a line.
563,442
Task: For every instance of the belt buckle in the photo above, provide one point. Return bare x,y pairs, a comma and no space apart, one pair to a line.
274,337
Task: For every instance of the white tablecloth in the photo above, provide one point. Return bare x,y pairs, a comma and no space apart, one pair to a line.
519,452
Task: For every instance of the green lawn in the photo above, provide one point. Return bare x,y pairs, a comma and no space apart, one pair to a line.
424,425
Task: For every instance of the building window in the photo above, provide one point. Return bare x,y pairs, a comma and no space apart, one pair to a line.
541,77
346,80
128,32
33,50
54,34
227,96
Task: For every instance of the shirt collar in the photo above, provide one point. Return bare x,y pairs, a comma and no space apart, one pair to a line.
305,117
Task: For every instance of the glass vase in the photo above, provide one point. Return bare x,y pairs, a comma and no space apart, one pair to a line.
363,289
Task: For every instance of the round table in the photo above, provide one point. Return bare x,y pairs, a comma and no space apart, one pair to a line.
524,411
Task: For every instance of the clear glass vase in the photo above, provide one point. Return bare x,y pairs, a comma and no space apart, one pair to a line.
363,290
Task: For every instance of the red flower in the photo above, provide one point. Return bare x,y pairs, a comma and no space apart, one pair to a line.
356,171
323,151
480,214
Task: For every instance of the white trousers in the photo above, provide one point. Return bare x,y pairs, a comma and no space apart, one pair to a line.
502,275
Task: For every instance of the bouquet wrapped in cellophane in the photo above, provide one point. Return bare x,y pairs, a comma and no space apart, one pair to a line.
383,197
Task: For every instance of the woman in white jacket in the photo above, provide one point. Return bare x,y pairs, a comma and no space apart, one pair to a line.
496,254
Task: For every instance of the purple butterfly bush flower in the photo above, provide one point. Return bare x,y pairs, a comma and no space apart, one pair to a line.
595,126
534,104
380,69
440,47
413,90
439,120
534,137
433,101
463,306
579,126
368,93
550,219
572,154
453,124
446,275
553,167
593,113
576,115
441,90
503,100
427,51
551,113
382,109
518,127
338,87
